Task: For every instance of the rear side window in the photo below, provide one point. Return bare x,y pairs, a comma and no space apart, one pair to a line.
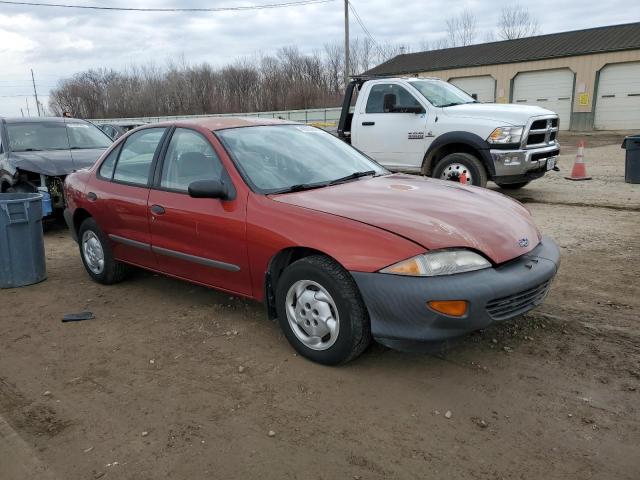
136,156
106,169
189,157
389,98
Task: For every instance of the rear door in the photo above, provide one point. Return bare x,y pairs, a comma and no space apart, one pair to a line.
120,192
383,129
199,239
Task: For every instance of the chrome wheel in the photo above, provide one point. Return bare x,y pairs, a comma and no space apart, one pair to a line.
455,171
92,252
312,314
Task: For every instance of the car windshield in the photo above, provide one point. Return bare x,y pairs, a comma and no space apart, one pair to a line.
441,94
281,158
34,136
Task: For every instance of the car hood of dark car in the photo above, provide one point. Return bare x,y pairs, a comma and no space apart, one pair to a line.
433,213
55,162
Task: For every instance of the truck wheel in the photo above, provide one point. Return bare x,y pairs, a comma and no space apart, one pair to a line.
512,186
456,165
96,254
321,312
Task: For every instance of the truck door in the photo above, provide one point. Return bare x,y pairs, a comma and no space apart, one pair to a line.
388,129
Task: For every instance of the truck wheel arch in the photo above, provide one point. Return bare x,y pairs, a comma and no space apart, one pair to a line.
464,142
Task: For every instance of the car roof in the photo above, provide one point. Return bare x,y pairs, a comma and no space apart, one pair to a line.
43,120
221,123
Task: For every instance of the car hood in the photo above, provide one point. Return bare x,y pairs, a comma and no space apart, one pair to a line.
55,162
432,213
511,114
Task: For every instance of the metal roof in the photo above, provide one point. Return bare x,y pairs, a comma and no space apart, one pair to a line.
565,44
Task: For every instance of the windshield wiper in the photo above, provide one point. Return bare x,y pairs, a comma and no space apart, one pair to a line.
29,150
300,187
352,176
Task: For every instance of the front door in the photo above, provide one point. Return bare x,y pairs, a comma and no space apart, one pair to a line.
199,239
386,132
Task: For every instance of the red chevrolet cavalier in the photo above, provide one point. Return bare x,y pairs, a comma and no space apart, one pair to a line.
340,250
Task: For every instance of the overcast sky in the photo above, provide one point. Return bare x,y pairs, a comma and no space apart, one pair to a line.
59,42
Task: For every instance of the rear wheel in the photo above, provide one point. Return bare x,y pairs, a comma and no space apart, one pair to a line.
462,168
512,186
96,254
321,312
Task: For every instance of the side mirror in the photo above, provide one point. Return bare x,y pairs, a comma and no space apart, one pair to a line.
416,109
208,189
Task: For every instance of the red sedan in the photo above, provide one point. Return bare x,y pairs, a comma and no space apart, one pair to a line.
340,250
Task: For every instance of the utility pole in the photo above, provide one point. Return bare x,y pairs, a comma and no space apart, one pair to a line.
22,112
346,43
26,100
35,92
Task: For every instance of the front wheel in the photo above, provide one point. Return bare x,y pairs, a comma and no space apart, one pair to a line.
462,168
96,254
321,312
512,186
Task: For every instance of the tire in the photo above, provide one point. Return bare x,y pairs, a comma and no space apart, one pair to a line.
344,306
21,188
512,186
112,271
454,164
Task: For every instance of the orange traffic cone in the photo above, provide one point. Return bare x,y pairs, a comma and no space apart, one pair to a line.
463,178
579,170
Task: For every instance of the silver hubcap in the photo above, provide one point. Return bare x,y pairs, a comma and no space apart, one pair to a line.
454,172
312,314
92,252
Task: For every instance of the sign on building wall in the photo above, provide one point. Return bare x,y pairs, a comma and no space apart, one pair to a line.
583,99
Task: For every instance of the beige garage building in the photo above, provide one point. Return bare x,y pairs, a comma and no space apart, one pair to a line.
591,78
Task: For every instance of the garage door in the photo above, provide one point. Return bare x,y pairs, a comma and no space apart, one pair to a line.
550,89
618,101
484,87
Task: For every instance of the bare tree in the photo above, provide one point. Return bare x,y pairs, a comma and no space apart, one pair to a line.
462,30
517,22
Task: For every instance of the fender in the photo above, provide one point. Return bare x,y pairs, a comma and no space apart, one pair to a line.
469,139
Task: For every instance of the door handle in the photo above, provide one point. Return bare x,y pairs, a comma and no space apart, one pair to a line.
157,209
92,197
368,124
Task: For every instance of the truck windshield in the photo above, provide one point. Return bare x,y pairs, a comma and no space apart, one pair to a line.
35,136
283,158
441,94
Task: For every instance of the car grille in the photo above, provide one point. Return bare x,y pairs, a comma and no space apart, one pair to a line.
543,132
507,307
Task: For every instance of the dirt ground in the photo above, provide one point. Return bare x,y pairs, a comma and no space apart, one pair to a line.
153,387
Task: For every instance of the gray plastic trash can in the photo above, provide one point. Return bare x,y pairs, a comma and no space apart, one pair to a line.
22,260
632,161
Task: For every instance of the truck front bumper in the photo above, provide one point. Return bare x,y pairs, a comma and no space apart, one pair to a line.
401,319
513,166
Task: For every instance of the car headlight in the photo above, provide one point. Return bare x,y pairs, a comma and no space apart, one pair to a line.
439,262
506,135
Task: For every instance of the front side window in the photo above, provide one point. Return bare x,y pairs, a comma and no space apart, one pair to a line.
189,157
136,156
275,158
441,94
34,136
106,169
390,98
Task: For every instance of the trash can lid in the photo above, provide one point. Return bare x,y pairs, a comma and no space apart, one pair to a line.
631,141
19,197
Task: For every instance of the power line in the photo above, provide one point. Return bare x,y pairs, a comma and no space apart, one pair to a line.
364,29
218,9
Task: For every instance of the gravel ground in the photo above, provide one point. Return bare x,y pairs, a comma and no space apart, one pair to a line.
175,381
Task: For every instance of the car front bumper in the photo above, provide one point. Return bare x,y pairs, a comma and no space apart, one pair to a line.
516,165
401,319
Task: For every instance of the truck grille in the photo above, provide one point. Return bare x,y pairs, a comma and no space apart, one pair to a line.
543,132
507,307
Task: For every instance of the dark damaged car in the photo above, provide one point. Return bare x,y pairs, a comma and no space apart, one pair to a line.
36,154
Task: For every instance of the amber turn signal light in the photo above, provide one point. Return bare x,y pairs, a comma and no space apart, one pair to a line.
453,308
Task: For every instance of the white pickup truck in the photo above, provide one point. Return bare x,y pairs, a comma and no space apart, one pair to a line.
428,126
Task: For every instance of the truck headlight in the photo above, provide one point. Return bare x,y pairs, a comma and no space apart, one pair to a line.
439,262
506,135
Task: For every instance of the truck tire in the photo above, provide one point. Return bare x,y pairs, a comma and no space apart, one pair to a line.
454,165
321,312
512,186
